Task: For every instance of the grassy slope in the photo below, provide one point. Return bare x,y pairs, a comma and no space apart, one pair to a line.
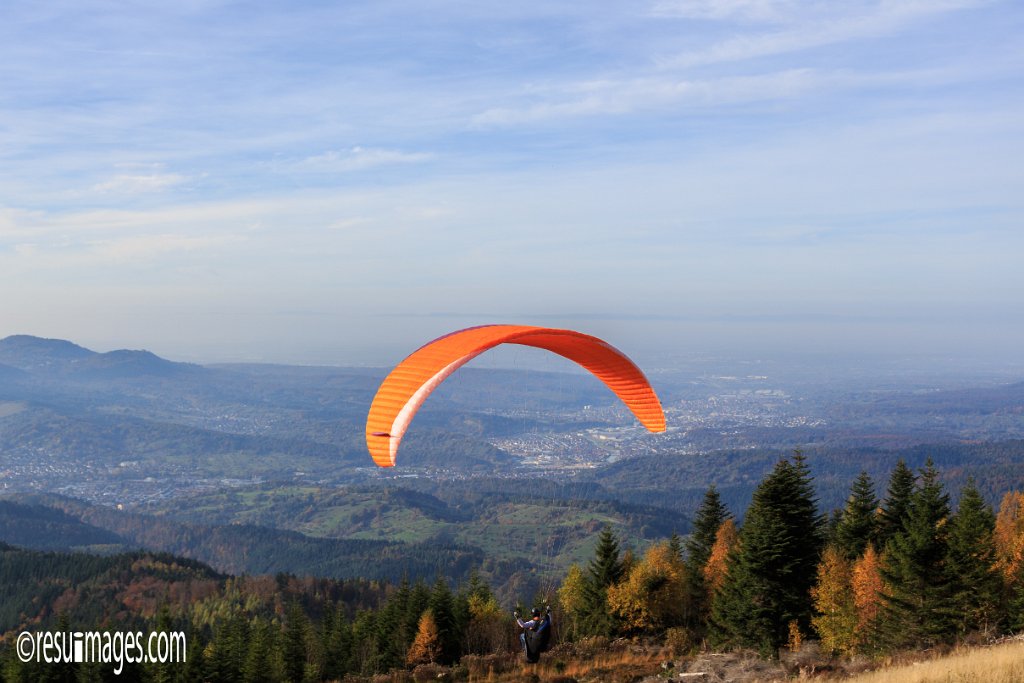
1003,663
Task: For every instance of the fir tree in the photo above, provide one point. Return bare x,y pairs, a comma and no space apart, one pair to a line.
977,583
258,667
832,523
1015,603
225,655
337,646
857,526
918,609
897,503
364,645
770,575
294,649
706,523
442,607
604,571
192,669
419,600
393,631
709,518
675,545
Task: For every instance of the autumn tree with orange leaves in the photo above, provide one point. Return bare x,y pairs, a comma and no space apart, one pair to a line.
1009,544
868,586
726,540
426,647
1009,535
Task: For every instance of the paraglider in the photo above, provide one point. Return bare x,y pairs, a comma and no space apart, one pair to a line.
407,386
536,635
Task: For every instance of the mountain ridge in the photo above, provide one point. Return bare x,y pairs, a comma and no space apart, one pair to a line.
41,355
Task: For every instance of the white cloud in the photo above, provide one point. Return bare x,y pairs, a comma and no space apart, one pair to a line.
17,222
135,183
741,10
139,248
878,18
360,158
622,97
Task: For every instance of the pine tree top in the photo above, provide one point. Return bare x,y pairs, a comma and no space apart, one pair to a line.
710,515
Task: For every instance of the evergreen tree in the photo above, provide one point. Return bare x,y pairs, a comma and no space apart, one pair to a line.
857,526
710,516
442,607
162,672
918,608
604,571
1015,603
832,523
419,600
192,669
337,646
225,656
294,648
675,545
258,667
897,503
393,633
770,575
364,643
977,583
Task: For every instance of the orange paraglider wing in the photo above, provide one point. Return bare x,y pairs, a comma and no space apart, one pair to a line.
407,386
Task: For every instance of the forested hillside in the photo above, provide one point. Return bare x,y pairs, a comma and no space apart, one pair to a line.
677,480
900,567
518,540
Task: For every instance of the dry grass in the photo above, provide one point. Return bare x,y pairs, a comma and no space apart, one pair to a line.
600,661
628,660
1002,663
581,662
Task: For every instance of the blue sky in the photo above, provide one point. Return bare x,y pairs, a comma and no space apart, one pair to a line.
337,182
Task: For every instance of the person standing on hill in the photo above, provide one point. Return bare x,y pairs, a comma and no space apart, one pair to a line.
536,634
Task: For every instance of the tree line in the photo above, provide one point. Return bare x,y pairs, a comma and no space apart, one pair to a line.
903,571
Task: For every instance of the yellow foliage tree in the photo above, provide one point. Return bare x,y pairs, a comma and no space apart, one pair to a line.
868,588
833,597
426,647
1009,535
572,598
488,627
726,540
652,597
